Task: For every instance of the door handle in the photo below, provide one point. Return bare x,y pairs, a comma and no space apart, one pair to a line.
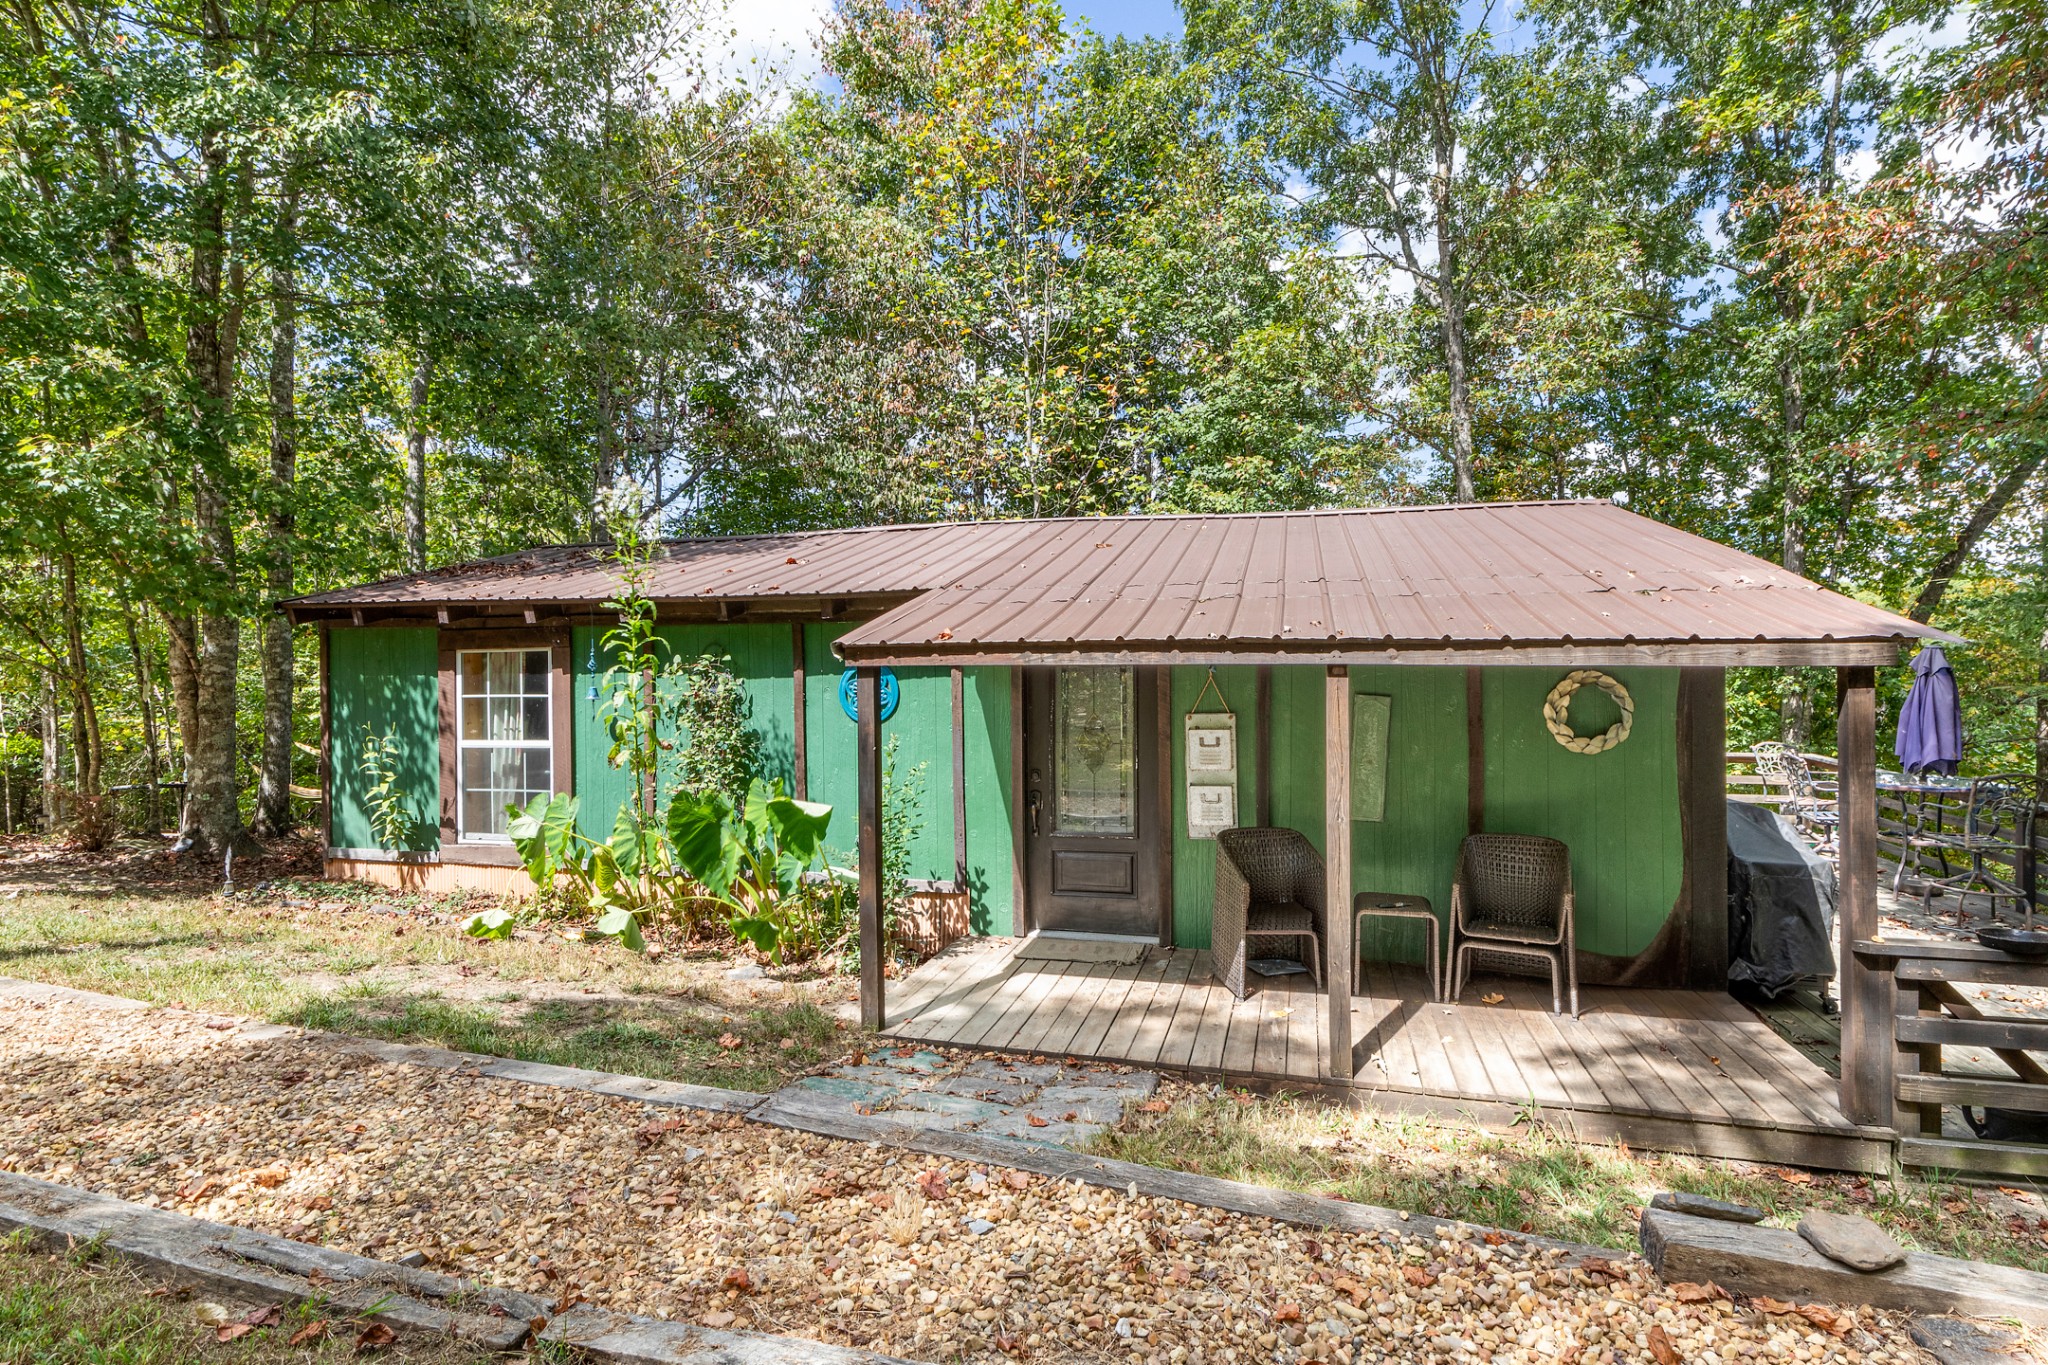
1032,806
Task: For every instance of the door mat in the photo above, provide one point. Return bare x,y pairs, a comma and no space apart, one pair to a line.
1112,951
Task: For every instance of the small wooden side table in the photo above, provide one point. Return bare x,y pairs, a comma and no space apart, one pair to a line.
1389,905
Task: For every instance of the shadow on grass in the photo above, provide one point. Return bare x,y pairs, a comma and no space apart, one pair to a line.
759,1049
113,945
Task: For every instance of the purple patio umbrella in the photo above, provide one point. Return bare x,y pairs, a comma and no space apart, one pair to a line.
1931,722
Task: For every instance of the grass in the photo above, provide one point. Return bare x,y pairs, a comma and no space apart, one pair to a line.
1538,1180
339,965
741,1051
76,1309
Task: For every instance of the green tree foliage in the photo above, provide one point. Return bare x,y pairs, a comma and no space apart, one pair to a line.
298,295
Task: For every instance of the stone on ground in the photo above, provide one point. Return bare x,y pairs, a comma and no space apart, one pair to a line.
1851,1240
1699,1206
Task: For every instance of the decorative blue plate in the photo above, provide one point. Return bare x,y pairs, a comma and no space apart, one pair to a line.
885,691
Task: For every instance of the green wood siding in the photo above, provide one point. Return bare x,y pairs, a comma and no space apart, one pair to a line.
1413,849
600,788
922,727
386,679
761,660
1617,810
1194,860
991,845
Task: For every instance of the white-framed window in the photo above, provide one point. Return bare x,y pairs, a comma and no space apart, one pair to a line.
503,738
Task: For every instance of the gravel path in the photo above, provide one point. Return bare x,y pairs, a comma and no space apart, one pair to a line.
720,1221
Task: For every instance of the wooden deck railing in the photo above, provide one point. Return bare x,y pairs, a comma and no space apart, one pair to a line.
1929,1014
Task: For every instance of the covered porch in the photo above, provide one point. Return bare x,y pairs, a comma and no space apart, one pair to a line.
1464,625
1677,1070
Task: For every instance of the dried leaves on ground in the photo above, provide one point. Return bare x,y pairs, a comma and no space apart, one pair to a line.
720,1221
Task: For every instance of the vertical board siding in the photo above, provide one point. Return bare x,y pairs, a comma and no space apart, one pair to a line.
922,727
1412,851
991,891
1194,860
386,679
600,788
1618,810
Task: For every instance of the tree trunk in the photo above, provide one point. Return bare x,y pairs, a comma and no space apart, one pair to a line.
416,465
213,820
1460,393
6,773
1795,708
153,771
273,785
181,662
53,757
1980,521
87,753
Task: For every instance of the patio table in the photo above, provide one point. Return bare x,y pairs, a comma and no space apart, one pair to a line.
1393,905
1920,801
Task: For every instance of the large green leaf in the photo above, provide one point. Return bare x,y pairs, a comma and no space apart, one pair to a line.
799,826
489,924
622,924
543,834
760,931
627,840
706,845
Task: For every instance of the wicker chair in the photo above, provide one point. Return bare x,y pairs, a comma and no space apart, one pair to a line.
1512,897
1269,884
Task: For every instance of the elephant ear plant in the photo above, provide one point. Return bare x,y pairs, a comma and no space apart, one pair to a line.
762,863
758,861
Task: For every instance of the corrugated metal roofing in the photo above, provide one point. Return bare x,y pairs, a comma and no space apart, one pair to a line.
846,563
1471,575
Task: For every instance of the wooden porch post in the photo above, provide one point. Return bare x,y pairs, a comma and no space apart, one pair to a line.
1337,862
1867,999
868,759
799,776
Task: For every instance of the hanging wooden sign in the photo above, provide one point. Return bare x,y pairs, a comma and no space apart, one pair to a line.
1211,738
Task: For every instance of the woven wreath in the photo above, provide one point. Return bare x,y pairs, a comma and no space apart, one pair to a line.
1557,708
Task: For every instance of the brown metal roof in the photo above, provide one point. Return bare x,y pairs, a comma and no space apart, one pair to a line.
886,560
1576,579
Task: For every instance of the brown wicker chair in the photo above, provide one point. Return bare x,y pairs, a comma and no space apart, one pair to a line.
1512,897
1269,884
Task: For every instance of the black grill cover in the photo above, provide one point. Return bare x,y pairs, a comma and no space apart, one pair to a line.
1781,902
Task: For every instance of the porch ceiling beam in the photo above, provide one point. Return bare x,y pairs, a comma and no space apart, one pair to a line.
1855,653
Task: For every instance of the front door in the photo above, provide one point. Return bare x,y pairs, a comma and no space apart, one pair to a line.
1092,824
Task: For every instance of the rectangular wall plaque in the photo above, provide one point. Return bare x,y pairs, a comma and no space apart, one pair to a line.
1369,720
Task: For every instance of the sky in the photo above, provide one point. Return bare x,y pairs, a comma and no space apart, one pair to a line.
780,32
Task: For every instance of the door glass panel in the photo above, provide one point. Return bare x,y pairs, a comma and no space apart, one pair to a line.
1095,752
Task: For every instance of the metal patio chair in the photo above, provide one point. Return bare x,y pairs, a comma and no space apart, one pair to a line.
1512,897
1994,837
1269,884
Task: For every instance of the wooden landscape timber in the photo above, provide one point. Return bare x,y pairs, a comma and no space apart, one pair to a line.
1772,1262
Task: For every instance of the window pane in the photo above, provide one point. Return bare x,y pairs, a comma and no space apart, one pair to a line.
502,719
472,674
536,718
535,682
472,718
538,764
481,815
1095,770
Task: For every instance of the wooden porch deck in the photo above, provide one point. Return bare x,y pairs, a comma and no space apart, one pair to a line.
1687,1071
